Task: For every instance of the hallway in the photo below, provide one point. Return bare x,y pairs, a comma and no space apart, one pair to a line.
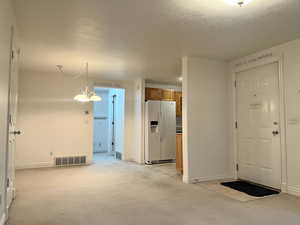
112,192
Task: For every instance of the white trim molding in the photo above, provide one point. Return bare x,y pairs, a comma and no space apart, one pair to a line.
35,165
294,190
284,187
258,61
3,219
188,180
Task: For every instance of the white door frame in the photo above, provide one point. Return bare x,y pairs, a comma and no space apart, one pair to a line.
9,110
282,112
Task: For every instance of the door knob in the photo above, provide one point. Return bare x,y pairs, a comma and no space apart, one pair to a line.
275,132
16,132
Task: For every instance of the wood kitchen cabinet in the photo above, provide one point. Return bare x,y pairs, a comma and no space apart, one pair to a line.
179,159
178,99
168,95
159,94
154,94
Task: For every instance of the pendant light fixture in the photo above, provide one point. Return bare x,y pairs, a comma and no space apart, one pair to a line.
86,95
238,2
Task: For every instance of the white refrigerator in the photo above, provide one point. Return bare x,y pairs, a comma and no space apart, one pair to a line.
160,131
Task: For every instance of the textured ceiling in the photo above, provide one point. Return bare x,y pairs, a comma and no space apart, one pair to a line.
125,39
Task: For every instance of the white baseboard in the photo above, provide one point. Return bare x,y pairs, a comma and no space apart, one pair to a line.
284,188
185,179
35,165
3,219
188,180
293,190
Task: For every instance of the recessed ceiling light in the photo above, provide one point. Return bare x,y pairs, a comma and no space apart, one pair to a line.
238,2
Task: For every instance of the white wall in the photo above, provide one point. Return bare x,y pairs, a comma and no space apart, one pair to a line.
6,21
205,146
291,73
140,116
53,124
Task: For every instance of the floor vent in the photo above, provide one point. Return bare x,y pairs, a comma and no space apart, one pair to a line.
70,161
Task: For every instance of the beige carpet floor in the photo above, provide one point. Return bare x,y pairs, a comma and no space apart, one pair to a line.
112,192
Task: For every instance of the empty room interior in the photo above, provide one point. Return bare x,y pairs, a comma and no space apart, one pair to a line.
149,112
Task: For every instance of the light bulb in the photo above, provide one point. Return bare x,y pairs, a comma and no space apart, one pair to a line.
95,98
82,98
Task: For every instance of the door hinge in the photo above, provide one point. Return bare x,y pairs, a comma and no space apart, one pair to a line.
7,183
12,54
235,83
236,125
112,143
237,167
10,119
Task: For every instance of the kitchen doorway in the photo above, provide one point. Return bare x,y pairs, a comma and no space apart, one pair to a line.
109,115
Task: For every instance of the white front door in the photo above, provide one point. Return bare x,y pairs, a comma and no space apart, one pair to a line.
12,132
259,154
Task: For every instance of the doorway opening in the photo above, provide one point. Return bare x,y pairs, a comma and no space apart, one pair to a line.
163,128
109,115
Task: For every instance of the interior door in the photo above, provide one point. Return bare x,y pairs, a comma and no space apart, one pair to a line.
168,130
259,158
12,118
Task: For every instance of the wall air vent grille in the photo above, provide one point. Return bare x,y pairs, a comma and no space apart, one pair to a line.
70,161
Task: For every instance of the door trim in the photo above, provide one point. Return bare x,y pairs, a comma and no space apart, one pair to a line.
3,219
5,202
282,113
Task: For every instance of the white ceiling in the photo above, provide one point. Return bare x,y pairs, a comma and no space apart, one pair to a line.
124,39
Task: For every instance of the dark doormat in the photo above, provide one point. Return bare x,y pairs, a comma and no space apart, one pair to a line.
250,189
